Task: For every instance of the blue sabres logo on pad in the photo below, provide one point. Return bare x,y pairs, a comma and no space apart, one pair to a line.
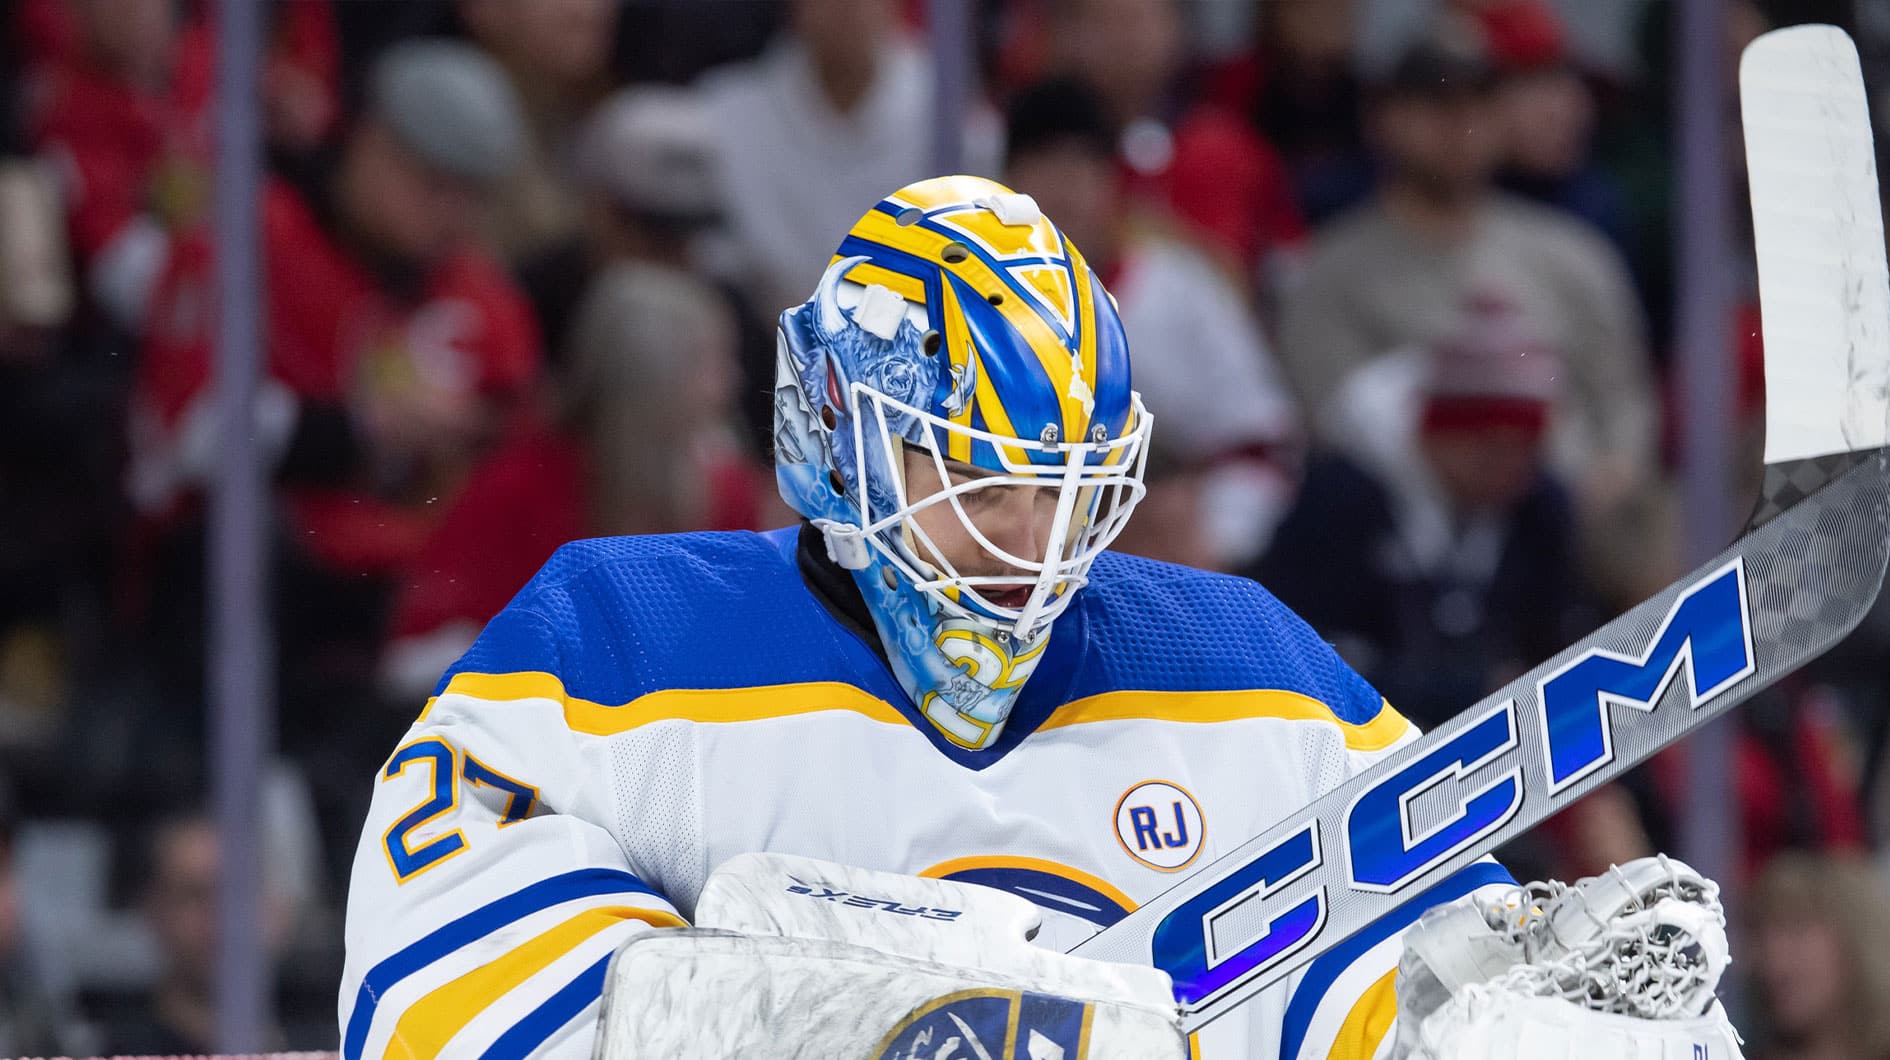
998,1024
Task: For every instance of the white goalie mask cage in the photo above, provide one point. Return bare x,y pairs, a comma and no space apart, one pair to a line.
1090,487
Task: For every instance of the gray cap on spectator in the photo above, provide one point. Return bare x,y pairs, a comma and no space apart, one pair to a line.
650,148
450,104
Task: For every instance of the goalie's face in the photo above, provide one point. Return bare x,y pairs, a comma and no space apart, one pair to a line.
1006,547
1017,519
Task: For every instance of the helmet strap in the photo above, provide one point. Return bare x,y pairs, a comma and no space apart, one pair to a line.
846,544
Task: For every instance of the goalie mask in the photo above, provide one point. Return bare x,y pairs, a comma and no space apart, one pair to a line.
960,337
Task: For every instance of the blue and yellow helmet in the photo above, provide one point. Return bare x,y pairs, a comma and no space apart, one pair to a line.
957,324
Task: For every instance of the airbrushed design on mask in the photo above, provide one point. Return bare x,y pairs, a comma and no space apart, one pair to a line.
827,352
964,381
967,679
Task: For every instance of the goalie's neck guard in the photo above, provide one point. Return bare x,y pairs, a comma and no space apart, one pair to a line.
965,341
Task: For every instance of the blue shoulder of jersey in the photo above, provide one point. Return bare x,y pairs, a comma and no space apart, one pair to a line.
1165,628
616,618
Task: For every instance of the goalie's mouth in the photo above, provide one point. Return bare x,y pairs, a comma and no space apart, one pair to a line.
1010,596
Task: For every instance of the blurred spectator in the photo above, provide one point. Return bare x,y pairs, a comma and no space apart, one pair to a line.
557,53
1797,774
1636,147
1393,273
1226,424
178,1015
1817,957
37,298
45,37
834,114
1201,161
55,486
31,1022
1433,546
1548,115
645,169
125,120
641,437
1297,86
1856,676
1130,52
394,343
646,181
301,78
395,349
674,41
132,161
1431,543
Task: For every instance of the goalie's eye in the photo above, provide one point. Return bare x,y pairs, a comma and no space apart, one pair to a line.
979,500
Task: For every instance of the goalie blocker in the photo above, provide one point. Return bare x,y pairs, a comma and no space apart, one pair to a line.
797,957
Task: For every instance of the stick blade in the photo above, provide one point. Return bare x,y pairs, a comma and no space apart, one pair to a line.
1823,284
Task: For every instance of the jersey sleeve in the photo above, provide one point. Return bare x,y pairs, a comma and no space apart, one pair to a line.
487,895
1342,1005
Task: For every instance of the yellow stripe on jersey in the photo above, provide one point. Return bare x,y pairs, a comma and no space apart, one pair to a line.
710,705
1236,705
429,1023
761,702
1369,1021
729,705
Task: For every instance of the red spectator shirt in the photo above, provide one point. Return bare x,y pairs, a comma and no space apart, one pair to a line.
330,331
1230,187
538,486
108,139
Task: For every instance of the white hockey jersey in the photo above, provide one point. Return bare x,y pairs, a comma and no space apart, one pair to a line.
648,707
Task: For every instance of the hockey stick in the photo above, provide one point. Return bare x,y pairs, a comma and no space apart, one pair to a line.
1800,580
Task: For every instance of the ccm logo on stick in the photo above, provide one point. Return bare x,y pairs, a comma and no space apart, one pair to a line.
1386,850
1267,909
1707,627
1222,936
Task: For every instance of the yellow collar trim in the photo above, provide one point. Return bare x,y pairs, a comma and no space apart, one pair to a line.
723,705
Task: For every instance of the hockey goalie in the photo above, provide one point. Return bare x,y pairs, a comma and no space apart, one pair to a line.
850,789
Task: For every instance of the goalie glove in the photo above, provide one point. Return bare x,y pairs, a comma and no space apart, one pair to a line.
793,957
1618,965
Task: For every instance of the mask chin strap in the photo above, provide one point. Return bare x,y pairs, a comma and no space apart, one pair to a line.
846,544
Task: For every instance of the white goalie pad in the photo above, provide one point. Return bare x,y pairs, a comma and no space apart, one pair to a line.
934,920
692,994
801,958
